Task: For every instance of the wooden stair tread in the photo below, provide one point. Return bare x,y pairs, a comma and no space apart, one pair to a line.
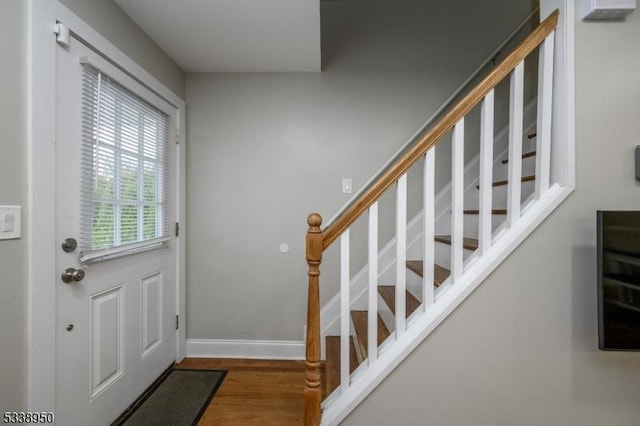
525,155
494,211
467,243
532,135
504,182
440,274
360,323
388,293
332,364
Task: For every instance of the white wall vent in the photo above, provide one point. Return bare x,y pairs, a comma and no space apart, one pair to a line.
607,9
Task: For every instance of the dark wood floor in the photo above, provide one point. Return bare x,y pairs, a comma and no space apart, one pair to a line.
254,392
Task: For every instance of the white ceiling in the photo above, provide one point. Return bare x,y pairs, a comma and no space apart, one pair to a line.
233,35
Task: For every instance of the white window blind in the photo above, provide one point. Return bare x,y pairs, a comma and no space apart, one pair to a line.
125,168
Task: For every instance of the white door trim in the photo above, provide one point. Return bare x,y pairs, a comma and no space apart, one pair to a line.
41,104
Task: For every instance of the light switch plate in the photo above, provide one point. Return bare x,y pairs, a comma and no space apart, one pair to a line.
10,222
347,186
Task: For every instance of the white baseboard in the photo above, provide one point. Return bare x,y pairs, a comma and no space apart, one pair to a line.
245,349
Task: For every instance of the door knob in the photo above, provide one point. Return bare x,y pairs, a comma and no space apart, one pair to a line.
71,275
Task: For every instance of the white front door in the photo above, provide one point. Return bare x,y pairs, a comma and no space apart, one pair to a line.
116,315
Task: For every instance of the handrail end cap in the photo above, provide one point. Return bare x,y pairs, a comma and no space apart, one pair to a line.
314,220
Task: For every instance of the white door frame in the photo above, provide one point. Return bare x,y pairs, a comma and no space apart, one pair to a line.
41,104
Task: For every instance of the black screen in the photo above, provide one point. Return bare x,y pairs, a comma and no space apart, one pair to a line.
619,280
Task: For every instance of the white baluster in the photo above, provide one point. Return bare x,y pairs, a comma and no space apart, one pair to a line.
457,201
486,172
514,174
545,102
429,229
401,254
345,318
372,348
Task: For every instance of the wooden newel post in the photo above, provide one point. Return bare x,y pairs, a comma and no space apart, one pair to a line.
312,389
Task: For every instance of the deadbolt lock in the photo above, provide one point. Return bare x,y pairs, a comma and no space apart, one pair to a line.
69,245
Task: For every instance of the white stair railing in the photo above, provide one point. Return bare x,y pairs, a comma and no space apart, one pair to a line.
516,104
372,266
486,173
401,255
457,202
428,233
345,307
464,274
545,100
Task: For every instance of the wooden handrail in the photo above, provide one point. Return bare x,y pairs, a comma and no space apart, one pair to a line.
317,240
431,138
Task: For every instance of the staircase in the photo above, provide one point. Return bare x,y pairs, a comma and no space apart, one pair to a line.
436,259
360,323
387,293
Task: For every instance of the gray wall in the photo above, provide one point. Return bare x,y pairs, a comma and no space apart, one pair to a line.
265,150
522,350
107,18
13,191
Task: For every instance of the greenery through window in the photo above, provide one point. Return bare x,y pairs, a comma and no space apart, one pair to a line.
125,162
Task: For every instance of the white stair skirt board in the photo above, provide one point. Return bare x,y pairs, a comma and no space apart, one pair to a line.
246,349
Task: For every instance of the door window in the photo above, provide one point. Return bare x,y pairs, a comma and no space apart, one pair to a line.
125,164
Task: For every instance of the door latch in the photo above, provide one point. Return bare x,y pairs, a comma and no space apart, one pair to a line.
71,275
